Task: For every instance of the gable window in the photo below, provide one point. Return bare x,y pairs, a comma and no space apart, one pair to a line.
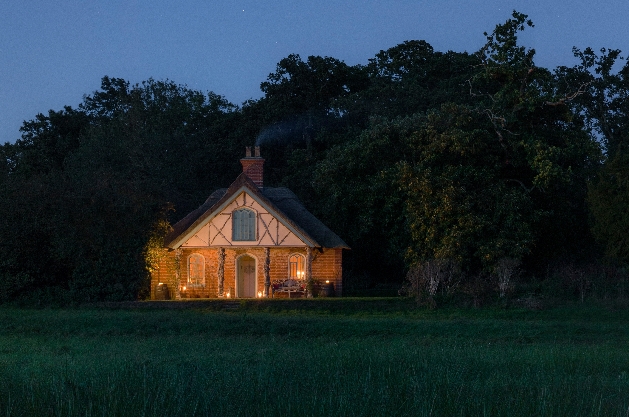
196,270
244,225
296,267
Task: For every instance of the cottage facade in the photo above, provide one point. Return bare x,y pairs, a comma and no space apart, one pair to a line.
249,241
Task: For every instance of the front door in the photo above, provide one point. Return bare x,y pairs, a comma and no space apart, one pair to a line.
246,277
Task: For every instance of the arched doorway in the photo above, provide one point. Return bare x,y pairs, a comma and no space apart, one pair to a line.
246,285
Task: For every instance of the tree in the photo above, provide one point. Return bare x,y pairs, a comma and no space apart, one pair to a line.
608,200
599,89
299,98
298,113
298,87
355,192
410,78
47,141
546,147
460,204
87,188
603,102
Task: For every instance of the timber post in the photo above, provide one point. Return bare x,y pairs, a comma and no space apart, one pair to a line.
221,271
177,285
309,279
267,271
308,263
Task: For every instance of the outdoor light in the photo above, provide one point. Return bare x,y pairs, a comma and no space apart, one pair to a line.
228,295
259,294
184,287
327,281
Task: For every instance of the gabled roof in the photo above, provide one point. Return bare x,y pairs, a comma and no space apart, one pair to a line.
280,200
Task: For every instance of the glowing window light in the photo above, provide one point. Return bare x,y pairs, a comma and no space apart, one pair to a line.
296,267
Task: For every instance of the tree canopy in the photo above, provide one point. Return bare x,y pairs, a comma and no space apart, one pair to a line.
417,155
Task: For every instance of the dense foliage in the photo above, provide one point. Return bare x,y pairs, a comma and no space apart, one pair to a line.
478,160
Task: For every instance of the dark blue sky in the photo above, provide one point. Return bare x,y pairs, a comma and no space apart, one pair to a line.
54,52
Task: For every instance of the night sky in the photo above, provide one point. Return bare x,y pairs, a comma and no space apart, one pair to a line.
54,52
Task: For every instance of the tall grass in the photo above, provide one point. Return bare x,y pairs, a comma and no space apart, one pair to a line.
99,362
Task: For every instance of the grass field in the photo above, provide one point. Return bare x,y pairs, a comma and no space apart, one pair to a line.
309,358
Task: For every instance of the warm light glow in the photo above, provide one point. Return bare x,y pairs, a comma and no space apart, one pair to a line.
184,288
228,295
259,294
296,267
327,281
161,283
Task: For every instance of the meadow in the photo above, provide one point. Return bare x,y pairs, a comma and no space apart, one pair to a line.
336,357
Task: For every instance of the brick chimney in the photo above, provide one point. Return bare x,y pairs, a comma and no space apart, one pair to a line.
253,166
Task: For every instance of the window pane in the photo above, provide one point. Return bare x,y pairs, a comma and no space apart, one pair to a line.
296,267
196,269
237,225
252,226
244,226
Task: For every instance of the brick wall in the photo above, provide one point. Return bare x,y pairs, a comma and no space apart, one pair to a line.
326,265
164,273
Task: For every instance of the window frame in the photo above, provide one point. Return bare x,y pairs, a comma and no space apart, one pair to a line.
241,225
300,273
199,281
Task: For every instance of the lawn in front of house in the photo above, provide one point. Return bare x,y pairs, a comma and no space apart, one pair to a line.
314,359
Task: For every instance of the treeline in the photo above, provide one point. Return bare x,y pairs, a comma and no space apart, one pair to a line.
464,164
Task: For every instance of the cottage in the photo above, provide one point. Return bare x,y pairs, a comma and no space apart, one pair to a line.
249,241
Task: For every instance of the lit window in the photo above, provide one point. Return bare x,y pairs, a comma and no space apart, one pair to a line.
196,270
296,267
244,225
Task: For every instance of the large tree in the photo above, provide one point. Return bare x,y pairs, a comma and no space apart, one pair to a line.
410,78
546,149
602,100
86,189
497,172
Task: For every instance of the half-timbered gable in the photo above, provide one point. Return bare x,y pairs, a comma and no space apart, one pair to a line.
245,221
